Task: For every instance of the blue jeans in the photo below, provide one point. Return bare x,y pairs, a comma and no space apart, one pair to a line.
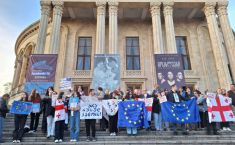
1,127
75,125
131,130
157,121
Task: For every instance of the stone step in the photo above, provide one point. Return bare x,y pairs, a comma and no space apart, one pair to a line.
137,142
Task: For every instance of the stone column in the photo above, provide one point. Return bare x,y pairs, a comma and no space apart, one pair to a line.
155,7
227,33
45,13
113,27
169,26
17,73
55,34
23,70
216,42
100,30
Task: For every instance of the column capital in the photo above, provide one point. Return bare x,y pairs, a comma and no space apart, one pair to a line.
168,7
155,7
101,6
222,8
113,3
209,8
45,7
113,6
58,7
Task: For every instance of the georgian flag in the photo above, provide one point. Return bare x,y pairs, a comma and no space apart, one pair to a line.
219,109
59,111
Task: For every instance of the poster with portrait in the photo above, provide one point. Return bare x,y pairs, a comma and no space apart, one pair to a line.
106,71
169,70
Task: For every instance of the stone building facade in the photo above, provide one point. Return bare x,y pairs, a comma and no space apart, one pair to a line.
76,30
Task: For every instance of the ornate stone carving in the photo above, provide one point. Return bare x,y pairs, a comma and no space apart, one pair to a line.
58,7
101,6
45,7
82,74
209,8
113,7
133,73
222,8
155,7
168,7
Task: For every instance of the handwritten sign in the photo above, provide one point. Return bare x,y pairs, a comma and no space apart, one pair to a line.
111,106
162,99
20,107
91,110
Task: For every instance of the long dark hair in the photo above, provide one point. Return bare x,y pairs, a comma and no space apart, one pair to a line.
47,91
26,97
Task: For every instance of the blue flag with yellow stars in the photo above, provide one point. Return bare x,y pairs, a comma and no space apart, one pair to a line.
184,112
132,114
20,107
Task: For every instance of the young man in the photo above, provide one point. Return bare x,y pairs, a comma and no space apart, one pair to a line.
3,111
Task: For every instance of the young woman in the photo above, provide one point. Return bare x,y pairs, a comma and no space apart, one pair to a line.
74,107
113,119
130,130
35,114
49,112
20,122
156,109
59,118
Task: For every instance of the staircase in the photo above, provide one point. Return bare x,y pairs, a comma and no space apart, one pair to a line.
103,138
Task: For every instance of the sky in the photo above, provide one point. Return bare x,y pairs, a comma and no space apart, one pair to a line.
15,16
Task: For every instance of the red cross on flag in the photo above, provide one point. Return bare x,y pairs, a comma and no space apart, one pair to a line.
59,110
219,109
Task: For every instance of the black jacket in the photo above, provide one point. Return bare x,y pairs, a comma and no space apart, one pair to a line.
170,97
3,108
156,107
47,108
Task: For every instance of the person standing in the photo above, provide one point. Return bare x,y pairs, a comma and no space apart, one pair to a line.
145,96
74,107
3,111
90,123
49,112
175,97
59,118
113,119
231,94
156,109
20,120
35,114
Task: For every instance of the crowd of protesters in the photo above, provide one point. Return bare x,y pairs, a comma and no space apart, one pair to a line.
70,102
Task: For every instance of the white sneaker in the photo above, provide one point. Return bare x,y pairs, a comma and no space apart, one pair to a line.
60,140
111,134
74,140
71,140
18,141
14,141
56,141
228,129
114,134
31,131
224,129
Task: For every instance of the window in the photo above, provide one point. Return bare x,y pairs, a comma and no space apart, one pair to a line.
85,88
132,53
84,53
134,86
181,44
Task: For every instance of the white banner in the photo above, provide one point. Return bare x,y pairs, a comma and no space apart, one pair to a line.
65,84
111,106
91,110
148,103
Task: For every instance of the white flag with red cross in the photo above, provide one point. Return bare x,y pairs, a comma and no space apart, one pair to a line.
219,109
59,111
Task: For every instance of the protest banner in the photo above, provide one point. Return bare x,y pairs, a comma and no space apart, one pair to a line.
169,69
65,84
111,106
91,110
20,107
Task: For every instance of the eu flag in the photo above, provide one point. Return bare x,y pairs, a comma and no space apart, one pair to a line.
19,107
132,114
184,112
